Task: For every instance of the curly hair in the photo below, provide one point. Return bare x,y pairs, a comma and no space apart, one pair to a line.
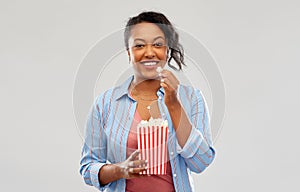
172,38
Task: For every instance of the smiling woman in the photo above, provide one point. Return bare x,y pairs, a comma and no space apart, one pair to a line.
175,50
112,157
147,50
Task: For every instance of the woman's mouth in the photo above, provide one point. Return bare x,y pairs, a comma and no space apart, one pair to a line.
149,63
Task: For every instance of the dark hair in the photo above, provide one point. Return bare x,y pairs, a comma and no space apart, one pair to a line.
176,50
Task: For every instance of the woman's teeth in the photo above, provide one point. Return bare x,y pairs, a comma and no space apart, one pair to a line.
150,63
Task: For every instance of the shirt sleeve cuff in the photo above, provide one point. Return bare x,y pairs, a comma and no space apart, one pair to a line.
194,142
95,168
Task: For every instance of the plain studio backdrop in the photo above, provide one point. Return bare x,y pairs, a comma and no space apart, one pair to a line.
255,44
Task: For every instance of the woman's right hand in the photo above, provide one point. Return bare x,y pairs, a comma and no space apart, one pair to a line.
132,167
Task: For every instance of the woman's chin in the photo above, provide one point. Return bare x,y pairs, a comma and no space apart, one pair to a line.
142,76
150,76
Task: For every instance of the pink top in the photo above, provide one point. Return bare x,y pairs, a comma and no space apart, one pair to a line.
151,183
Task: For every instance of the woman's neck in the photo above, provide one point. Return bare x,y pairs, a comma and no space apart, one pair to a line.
145,86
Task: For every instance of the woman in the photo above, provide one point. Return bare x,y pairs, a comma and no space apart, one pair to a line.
109,155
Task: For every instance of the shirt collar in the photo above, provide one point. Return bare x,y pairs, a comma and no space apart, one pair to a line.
122,89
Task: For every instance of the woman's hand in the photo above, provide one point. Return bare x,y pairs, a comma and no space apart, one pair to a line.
132,167
170,84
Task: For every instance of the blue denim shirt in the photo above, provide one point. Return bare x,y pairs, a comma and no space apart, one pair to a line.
108,126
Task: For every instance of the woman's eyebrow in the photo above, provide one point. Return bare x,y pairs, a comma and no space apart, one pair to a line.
139,39
159,37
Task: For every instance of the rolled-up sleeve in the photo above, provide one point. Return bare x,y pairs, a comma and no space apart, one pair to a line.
198,151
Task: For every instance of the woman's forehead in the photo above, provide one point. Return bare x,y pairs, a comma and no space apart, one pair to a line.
146,31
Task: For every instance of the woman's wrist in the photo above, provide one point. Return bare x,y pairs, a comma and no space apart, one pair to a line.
118,172
172,101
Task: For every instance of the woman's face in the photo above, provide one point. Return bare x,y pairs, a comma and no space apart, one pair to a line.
147,50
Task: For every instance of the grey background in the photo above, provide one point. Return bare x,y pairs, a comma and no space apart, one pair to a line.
42,43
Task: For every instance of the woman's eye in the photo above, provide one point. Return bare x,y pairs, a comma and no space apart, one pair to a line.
139,46
158,44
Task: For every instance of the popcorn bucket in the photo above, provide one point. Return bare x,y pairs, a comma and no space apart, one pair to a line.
152,143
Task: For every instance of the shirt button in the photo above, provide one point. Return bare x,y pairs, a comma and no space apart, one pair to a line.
175,175
159,97
172,153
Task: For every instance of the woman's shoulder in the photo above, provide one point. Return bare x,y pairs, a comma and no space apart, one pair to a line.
106,95
189,90
117,91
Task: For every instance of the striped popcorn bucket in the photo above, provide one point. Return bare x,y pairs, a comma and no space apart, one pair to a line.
152,143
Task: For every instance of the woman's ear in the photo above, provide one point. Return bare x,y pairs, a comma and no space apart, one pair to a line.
128,53
168,53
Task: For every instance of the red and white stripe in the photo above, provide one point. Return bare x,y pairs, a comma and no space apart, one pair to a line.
152,143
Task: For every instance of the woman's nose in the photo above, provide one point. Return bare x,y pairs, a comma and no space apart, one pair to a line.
149,52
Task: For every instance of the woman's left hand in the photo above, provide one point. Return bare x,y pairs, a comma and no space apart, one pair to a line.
170,84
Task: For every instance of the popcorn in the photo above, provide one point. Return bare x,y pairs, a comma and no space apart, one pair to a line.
159,69
152,142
